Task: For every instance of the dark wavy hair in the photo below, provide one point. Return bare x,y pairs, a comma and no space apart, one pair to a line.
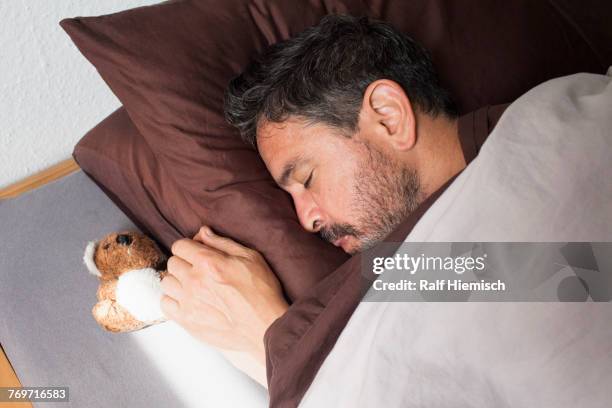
322,73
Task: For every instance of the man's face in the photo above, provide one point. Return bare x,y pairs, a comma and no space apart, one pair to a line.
347,189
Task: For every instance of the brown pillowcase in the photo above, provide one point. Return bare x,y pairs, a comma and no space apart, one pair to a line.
117,158
169,65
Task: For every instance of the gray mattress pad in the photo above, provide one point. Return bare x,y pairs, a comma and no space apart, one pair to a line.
50,336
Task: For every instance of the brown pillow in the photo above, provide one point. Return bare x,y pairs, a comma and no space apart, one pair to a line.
117,158
169,65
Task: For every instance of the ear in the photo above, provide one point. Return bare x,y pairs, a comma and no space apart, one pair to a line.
88,258
388,112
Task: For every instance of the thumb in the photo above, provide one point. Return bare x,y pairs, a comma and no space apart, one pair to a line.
207,236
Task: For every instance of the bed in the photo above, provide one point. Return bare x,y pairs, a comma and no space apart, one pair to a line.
50,338
137,154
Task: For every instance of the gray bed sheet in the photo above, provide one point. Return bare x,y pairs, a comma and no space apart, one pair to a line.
47,330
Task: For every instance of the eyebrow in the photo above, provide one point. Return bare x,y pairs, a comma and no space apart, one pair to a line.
288,170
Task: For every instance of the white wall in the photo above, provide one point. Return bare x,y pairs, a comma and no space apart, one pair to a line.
50,95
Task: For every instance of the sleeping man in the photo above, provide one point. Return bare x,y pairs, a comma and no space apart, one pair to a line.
351,121
331,116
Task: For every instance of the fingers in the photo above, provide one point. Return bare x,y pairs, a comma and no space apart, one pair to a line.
186,248
223,244
193,251
172,287
178,267
169,307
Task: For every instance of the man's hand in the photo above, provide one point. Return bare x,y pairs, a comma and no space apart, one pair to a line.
221,292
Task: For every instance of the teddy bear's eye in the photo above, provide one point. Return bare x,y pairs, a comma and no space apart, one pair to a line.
106,246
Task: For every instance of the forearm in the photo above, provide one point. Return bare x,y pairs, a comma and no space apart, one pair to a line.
253,362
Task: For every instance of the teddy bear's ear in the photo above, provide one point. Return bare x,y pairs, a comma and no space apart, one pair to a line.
88,258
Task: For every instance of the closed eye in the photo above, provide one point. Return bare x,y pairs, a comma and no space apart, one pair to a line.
308,180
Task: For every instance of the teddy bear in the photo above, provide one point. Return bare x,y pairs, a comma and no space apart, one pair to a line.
130,267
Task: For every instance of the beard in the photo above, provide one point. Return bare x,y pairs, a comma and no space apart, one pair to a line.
385,194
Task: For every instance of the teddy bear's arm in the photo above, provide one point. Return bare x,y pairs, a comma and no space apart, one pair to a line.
110,315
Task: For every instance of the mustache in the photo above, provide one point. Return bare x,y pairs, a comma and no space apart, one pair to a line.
335,231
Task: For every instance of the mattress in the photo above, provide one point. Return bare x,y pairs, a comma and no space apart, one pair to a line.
50,337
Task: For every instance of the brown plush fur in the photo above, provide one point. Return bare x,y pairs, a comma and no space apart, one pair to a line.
114,259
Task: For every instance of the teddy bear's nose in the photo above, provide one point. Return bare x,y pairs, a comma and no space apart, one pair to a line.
124,239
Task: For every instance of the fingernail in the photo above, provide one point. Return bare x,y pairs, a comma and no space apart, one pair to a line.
207,231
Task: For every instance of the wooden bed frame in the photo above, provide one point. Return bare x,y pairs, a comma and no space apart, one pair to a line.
8,378
39,179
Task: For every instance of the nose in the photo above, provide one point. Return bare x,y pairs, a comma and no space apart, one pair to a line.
309,213
124,239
